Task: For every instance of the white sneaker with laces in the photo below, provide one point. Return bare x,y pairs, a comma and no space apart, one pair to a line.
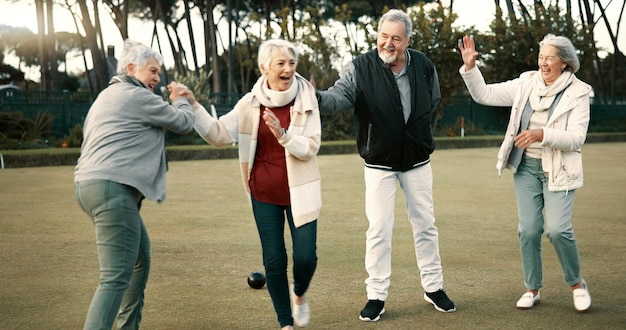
582,298
301,313
527,300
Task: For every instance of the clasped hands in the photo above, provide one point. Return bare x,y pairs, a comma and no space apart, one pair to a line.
180,90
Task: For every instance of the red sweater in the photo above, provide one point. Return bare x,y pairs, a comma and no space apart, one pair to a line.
268,178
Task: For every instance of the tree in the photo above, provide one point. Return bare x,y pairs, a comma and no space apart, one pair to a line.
22,42
66,43
512,45
617,60
101,75
192,39
51,47
41,46
210,42
9,74
434,35
81,43
119,14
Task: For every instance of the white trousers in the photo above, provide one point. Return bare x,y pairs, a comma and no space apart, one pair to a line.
380,191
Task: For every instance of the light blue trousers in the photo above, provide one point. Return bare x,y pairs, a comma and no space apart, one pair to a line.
537,206
123,252
380,196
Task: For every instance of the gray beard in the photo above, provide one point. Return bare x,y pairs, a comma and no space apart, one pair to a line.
387,58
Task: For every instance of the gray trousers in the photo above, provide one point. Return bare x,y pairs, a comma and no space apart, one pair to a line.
123,253
538,207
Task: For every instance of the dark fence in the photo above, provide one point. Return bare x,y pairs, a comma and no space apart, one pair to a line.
605,111
70,108
484,119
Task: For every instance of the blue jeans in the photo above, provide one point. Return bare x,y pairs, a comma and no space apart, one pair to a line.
270,221
536,206
123,253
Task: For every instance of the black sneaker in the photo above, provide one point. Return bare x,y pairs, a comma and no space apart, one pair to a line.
372,310
440,300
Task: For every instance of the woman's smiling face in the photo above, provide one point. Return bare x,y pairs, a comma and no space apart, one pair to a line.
282,67
550,64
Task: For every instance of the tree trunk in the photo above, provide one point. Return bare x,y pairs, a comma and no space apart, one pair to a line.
51,48
98,28
511,10
180,68
99,64
230,50
268,21
210,32
192,39
41,43
155,35
618,58
82,47
119,15
598,81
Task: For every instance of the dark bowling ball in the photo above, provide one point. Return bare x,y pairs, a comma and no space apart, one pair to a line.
256,280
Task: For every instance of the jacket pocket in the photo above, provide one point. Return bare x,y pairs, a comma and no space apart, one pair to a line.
572,164
368,140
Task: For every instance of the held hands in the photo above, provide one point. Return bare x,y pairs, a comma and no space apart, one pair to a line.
468,52
179,90
273,123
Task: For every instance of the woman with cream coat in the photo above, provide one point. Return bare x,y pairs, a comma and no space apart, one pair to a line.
278,130
542,147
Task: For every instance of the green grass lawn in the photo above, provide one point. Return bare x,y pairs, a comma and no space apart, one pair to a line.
205,243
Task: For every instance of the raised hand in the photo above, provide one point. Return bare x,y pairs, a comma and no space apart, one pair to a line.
468,52
273,123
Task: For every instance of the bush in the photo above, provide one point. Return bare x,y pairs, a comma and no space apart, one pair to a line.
12,125
75,139
38,128
20,132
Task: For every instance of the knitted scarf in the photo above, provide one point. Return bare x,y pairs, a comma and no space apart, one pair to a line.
300,90
542,96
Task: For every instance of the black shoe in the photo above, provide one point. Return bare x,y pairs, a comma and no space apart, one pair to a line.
372,310
440,300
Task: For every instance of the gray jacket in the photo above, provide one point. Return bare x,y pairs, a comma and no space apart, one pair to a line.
124,136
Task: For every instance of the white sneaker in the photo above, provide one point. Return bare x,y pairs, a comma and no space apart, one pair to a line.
527,300
582,298
301,313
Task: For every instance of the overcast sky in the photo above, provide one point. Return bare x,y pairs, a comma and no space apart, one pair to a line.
471,12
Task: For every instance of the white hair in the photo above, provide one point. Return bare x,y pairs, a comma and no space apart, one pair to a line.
397,15
566,51
136,53
271,47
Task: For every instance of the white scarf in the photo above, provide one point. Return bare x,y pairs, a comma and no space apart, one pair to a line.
542,96
300,90
272,98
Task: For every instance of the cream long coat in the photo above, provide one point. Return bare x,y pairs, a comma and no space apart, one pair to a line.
301,142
